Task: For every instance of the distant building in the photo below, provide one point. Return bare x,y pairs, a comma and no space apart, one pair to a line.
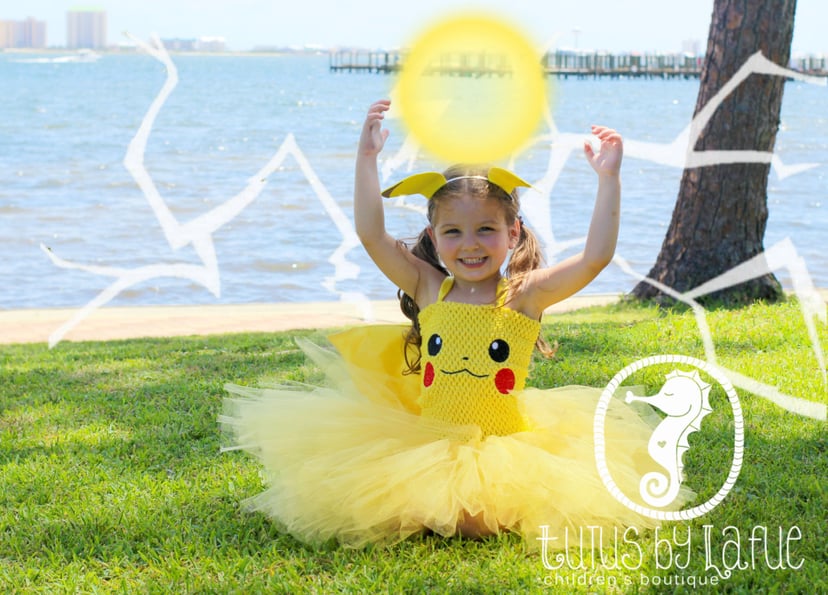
692,46
211,44
180,45
6,34
86,28
30,33
202,44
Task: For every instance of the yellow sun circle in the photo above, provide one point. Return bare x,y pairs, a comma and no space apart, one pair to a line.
471,89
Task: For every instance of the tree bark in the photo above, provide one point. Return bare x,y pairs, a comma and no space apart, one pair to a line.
721,212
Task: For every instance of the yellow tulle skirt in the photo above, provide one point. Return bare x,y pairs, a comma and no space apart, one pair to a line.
354,462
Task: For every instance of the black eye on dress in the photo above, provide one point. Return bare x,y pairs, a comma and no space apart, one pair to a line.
435,343
499,350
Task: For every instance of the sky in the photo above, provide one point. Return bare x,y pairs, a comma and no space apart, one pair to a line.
632,25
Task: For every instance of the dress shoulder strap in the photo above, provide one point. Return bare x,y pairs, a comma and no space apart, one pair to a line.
502,291
445,287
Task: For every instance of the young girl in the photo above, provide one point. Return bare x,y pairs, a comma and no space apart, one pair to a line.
431,427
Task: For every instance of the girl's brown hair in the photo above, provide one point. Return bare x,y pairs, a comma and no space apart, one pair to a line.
525,257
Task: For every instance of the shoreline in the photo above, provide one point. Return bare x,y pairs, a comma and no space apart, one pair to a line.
133,322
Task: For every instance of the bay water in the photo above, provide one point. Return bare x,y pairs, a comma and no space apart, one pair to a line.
66,126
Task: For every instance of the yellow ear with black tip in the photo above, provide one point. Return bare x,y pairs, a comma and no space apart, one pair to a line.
426,183
506,179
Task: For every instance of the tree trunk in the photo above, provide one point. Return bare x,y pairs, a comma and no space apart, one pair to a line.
721,212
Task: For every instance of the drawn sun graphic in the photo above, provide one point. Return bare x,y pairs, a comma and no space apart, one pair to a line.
472,89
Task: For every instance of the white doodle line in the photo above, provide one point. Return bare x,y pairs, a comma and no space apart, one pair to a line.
199,232
536,204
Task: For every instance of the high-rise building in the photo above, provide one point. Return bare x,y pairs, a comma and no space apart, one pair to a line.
6,34
34,33
30,33
86,28
693,47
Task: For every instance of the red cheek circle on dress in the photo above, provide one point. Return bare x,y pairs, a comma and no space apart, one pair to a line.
505,381
428,375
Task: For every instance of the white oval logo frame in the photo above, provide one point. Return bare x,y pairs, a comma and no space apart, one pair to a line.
600,441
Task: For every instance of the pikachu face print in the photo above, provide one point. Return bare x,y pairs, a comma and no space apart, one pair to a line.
474,362
488,364
479,349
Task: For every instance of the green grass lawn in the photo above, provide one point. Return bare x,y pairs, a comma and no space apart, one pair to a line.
112,480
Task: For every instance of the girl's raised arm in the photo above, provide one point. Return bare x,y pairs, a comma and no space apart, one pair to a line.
548,286
398,264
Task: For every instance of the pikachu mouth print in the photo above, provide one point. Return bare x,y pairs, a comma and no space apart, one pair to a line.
498,353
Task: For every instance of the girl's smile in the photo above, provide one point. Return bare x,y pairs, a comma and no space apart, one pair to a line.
473,262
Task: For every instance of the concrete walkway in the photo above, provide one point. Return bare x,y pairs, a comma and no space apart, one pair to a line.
35,326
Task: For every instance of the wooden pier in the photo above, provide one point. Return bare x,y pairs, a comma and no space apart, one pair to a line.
560,63
364,61
565,64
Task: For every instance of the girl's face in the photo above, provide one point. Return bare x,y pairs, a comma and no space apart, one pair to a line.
472,236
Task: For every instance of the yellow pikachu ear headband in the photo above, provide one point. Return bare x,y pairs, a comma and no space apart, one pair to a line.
429,183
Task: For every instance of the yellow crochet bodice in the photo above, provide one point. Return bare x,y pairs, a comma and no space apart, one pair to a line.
474,359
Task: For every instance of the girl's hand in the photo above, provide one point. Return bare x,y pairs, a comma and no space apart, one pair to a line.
373,135
607,161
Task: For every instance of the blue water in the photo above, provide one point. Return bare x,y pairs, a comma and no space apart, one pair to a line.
66,127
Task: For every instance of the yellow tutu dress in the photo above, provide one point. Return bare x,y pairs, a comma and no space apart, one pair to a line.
376,456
